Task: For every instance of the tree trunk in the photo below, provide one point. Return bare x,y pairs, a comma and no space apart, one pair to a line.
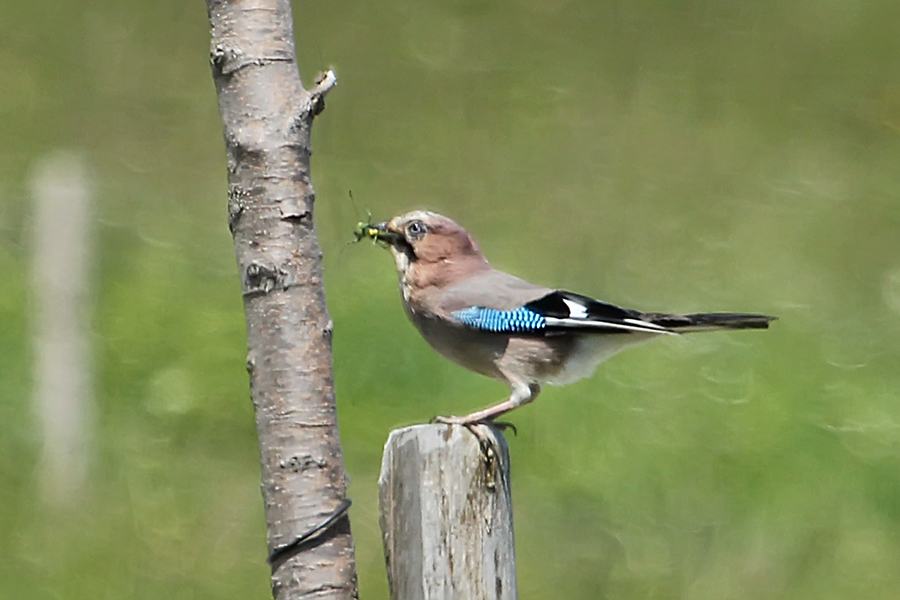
267,115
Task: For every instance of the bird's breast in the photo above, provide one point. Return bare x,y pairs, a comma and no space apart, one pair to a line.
477,351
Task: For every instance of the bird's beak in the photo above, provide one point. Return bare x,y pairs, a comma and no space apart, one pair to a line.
379,232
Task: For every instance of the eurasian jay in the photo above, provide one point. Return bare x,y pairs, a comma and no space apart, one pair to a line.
506,328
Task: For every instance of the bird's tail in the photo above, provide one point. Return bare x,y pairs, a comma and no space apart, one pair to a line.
709,321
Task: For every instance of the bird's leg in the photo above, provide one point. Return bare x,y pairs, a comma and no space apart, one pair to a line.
520,393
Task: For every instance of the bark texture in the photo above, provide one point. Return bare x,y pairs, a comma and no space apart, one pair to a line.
267,115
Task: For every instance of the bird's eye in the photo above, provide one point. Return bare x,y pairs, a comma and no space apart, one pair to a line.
416,230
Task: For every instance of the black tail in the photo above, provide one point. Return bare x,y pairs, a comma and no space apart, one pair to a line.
709,321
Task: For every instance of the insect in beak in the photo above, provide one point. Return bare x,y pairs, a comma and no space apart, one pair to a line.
378,232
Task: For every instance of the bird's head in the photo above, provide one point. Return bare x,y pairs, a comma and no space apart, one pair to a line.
421,239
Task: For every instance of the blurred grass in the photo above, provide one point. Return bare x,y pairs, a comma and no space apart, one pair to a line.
666,155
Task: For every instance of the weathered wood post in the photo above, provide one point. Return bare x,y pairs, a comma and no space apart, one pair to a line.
61,280
446,514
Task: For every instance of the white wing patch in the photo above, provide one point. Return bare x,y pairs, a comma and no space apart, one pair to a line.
647,324
626,325
576,310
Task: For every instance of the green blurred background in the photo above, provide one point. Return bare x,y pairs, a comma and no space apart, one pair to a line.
666,155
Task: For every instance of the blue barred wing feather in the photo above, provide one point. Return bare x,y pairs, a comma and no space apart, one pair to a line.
555,313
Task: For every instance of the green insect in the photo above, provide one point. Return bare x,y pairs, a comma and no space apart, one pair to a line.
363,229
366,230
379,235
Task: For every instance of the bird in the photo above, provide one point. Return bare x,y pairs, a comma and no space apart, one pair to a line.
506,328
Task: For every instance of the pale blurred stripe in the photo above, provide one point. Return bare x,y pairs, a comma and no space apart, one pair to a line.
61,302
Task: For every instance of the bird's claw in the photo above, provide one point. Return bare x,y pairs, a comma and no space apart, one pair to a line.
470,423
451,420
503,426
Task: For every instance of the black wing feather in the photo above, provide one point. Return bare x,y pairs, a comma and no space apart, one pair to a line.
711,320
553,305
593,313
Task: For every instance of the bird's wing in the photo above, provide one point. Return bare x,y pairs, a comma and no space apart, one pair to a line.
490,289
500,303
566,310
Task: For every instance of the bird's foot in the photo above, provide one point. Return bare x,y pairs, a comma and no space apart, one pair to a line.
482,430
469,423
452,420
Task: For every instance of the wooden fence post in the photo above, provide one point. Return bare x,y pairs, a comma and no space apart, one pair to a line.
446,514
62,249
